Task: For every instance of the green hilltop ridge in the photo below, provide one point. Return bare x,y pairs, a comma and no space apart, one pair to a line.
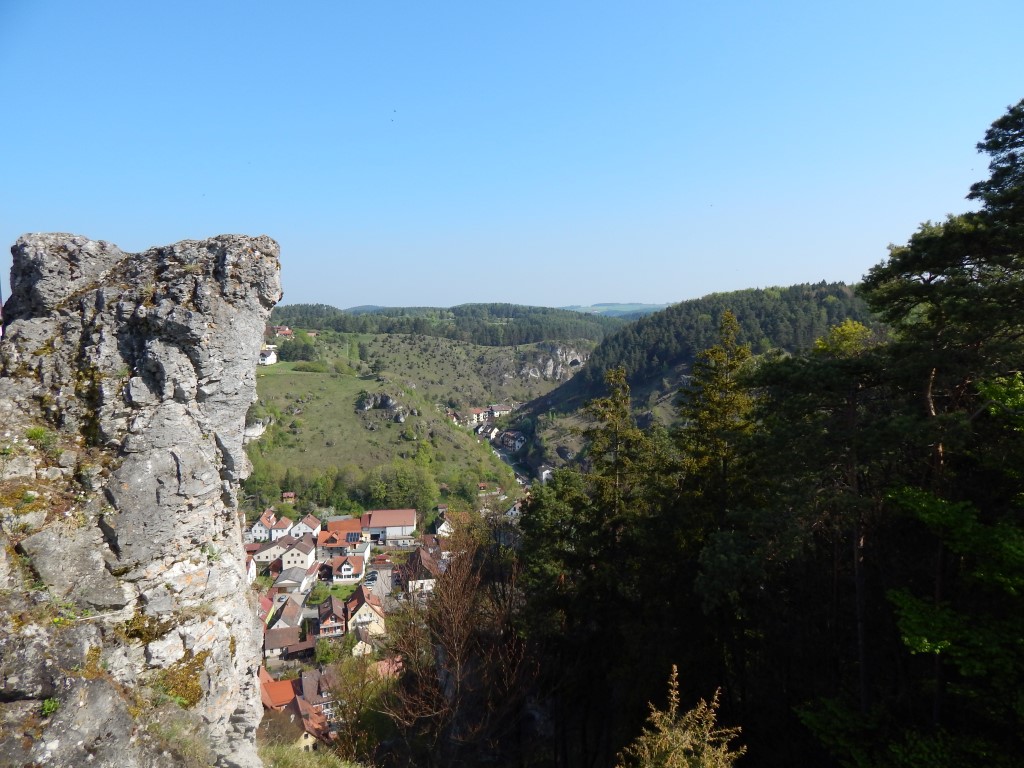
662,345
486,324
657,351
625,311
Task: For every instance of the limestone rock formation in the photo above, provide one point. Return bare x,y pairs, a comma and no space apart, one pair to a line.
554,362
127,630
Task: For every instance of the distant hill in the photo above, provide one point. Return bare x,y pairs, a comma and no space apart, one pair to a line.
658,349
493,325
623,311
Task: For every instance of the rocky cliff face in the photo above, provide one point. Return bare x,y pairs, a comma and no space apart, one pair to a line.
127,631
554,363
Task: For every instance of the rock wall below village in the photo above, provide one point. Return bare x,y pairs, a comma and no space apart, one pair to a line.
127,630
554,363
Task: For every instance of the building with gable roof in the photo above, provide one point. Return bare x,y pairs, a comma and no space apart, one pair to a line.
281,528
309,524
261,528
382,525
345,569
331,614
364,609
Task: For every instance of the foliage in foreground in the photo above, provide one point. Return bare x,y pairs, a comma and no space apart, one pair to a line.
689,739
286,756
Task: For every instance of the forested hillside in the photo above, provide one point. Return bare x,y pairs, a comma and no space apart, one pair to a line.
834,540
657,351
493,325
769,318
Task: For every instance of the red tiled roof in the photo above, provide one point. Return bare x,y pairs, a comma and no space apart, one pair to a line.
277,694
382,518
344,526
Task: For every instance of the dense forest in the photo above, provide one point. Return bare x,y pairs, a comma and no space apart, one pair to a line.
833,540
788,318
492,325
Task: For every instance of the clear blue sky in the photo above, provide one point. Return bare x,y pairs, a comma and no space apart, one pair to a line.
555,153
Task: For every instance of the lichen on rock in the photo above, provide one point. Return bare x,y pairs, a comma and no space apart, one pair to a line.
132,375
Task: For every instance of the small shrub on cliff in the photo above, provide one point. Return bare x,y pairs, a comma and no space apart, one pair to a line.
49,707
144,628
180,682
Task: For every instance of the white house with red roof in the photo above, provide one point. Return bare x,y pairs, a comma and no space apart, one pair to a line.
309,524
379,525
261,528
477,416
346,569
282,527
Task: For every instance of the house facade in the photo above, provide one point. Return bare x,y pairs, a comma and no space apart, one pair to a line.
261,528
309,524
282,527
364,610
332,618
380,525
301,555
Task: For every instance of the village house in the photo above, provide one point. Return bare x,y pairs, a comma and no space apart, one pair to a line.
340,538
309,524
261,528
383,525
314,691
275,641
497,410
296,711
272,551
282,527
332,622
513,440
268,355
420,572
265,609
297,579
436,546
476,416
364,642
363,609
300,555
346,569
289,613
487,431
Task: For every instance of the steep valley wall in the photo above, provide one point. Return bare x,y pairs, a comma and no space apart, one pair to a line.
127,631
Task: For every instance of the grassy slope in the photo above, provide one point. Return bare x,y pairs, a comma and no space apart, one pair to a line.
325,429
